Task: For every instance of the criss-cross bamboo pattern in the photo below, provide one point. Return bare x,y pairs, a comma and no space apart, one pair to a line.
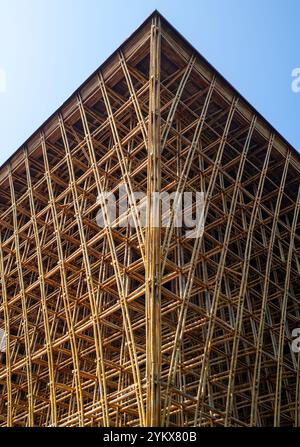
139,325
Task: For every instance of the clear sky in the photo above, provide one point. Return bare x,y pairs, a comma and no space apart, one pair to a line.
49,47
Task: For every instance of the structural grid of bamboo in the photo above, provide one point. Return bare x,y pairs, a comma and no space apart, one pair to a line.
133,323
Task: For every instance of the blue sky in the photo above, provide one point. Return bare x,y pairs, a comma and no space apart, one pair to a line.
49,47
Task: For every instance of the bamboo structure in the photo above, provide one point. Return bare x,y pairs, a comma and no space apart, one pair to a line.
127,326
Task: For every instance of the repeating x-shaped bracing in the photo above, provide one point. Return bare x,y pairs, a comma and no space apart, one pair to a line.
134,325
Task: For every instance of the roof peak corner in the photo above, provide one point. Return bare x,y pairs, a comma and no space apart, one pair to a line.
155,13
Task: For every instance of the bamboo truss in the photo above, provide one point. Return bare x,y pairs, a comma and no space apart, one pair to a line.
134,326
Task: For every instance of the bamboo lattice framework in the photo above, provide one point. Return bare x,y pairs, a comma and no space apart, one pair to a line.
132,326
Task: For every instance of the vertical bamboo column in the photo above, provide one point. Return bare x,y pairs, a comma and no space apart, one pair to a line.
153,236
